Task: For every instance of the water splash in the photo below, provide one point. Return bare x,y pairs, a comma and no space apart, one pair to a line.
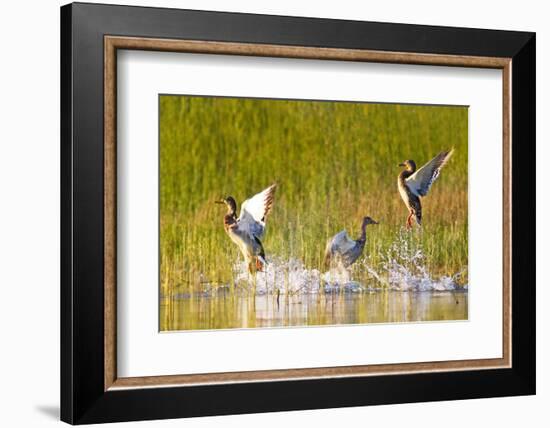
287,277
406,270
403,268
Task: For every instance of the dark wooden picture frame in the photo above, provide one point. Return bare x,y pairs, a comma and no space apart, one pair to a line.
90,389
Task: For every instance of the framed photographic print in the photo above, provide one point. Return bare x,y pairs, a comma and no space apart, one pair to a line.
265,213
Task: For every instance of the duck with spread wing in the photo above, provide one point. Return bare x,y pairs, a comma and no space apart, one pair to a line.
247,230
341,250
414,184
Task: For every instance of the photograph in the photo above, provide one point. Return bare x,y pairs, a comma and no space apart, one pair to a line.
293,213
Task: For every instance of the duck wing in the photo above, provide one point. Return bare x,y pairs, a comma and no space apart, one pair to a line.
337,246
421,181
255,210
341,243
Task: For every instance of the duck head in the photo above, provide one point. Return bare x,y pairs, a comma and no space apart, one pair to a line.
367,220
229,203
409,165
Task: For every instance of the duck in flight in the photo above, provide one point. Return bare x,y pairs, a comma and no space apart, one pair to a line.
414,184
248,229
344,251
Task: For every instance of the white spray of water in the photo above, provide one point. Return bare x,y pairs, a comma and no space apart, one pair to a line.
289,277
403,269
405,266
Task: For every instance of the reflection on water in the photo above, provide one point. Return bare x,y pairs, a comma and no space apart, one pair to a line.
230,311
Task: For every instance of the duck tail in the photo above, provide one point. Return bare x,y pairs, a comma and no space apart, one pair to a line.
260,258
418,216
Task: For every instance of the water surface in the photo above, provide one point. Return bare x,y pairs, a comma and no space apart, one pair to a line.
248,311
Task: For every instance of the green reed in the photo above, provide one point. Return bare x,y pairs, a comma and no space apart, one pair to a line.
334,163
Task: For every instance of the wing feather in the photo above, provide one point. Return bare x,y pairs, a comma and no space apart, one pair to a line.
255,210
341,243
421,181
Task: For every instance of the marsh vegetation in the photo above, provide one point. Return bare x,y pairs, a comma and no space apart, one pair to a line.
334,163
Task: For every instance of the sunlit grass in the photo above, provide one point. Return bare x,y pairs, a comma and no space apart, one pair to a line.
333,162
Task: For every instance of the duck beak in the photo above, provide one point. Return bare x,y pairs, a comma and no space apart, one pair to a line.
401,164
221,201
374,222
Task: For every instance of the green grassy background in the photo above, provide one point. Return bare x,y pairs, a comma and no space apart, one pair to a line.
334,163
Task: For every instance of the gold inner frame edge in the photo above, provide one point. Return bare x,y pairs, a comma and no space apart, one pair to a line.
113,43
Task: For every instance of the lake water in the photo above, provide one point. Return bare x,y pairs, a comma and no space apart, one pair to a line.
248,311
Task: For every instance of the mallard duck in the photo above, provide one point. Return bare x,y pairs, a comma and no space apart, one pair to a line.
247,230
343,250
414,184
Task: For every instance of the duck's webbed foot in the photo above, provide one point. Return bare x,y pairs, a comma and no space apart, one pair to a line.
259,265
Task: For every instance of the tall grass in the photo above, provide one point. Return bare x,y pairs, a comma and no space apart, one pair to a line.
334,163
